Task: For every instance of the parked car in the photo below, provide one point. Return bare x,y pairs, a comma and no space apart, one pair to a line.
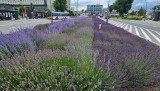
49,17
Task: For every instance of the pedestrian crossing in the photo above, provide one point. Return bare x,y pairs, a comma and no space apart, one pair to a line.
151,35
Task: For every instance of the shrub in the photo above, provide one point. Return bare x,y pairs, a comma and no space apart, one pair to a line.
133,18
135,73
117,49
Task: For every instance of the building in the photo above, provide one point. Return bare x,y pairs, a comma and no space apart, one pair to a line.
9,7
156,15
68,4
23,2
95,9
50,4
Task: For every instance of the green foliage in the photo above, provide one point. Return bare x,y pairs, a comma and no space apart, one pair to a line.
156,7
135,74
21,9
70,30
133,18
54,46
141,12
31,6
60,5
122,6
71,13
63,73
11,52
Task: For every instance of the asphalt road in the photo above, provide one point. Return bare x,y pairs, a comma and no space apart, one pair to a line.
148,24
149,30
10,26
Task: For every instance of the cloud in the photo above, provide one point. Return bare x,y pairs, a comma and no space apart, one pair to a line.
136,4
83,3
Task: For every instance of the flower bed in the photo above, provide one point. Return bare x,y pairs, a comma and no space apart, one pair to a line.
62,62
29,39
133,61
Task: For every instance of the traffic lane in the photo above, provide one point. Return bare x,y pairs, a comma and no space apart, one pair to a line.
137,23
147,22
147,26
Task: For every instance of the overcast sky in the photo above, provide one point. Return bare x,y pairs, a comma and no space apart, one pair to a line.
136,5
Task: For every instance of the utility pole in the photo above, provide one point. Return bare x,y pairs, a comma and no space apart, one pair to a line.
51,11
108,6
77,7
146,5
146,11
51,6
107,16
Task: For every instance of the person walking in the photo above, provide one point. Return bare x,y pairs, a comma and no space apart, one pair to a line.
100,26
106,19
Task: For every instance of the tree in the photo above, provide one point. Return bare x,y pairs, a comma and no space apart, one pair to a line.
82,10
133,13
141,12
60,5
21,9
31,7
156,7
122,6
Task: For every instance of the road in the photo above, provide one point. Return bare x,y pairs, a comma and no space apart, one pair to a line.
149,30
7,27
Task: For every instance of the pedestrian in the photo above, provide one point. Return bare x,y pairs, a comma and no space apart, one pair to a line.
100,26
106,19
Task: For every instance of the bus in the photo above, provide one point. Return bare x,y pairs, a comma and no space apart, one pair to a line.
59,15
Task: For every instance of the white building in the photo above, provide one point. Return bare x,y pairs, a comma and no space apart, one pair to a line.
23,2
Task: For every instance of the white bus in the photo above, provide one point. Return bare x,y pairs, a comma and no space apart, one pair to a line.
60,15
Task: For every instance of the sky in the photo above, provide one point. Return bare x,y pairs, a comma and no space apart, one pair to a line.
136,4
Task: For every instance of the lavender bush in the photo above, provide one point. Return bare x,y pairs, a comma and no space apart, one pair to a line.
30,39
118,49
69,69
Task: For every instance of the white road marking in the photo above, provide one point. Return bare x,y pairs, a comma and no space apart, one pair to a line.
137,33
119,25
157,32
130,29
123,25
146,36
154,35
126,27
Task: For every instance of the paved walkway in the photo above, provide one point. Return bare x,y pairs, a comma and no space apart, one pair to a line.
7,27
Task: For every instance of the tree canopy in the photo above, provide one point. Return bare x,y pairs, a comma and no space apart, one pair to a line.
156,7
122,6
141,12
60,5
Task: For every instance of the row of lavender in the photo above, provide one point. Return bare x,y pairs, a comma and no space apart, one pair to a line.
132,60
28,39
67,68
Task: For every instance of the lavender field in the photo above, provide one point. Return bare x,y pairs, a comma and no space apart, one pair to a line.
75,55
